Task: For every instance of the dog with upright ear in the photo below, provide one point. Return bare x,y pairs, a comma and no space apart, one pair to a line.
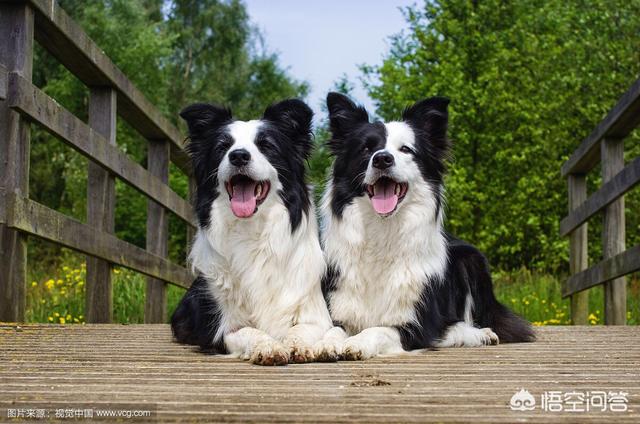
396,280
256,253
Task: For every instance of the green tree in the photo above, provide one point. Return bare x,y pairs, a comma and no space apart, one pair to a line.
528,81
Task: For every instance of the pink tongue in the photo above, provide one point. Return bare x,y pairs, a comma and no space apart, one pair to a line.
385,200
243,201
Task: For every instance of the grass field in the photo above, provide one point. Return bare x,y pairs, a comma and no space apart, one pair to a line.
58,297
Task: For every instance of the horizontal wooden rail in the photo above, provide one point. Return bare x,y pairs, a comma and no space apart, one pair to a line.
34,218
36,105
624,181
606,270
69,44
620,121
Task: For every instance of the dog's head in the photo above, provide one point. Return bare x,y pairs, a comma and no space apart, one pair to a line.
391,163
254,162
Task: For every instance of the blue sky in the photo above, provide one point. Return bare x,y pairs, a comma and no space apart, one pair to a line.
320,40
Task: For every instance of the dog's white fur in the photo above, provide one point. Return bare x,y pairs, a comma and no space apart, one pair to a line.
265,279
384,263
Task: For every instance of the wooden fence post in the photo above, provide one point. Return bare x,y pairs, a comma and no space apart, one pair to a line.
101,199
578,254
16,55
613,234
155,309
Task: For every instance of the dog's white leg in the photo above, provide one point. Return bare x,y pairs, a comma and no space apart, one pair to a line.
300,340
462,334
372,342
257,346
329,348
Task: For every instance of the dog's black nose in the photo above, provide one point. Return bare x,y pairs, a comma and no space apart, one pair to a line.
239,157
383,160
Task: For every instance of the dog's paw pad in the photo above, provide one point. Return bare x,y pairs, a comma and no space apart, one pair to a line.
490,338
352,353
326,352
269,353
300,354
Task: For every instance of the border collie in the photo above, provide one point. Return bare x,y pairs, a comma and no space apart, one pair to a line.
396,281
257,252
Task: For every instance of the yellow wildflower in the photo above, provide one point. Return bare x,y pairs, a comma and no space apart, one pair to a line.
34,284
62,321
50,319
55,314
49,284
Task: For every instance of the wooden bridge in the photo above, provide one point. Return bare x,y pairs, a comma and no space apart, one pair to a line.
53,373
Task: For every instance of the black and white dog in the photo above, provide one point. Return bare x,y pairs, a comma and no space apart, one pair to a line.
257,250
396,281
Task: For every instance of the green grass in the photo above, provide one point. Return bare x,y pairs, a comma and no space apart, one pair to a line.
537,297
57,296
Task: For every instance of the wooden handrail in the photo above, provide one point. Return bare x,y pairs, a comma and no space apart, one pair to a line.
69,44
606,145
37,106
624,181
111,93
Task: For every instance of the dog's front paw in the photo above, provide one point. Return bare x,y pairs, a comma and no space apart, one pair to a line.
326,351
356,348
299,352
269,353
489,337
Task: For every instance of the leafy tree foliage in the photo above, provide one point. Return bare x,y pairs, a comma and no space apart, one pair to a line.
528,81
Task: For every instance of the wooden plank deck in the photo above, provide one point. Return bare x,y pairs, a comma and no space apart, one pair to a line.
138,367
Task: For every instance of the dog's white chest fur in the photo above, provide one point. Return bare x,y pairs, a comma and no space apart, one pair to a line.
258,271
384,263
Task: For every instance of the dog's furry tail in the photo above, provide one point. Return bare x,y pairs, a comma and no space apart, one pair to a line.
509,327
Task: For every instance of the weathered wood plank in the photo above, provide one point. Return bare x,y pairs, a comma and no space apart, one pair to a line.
578,254
101,206
4,82
32,102
16,55
75,366
621,183
622,264
33,218
618,123
155,309
613,234
68,43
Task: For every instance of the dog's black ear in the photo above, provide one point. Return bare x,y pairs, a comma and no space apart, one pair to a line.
293,117
203,117
430,116
344,114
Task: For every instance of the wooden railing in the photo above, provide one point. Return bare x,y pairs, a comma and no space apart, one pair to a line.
111,93
605,145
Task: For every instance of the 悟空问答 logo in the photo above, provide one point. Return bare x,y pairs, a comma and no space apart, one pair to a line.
522,401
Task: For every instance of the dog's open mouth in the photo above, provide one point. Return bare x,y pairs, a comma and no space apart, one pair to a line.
246,194
386,194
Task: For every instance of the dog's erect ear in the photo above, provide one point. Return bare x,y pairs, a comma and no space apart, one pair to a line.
202,117
431,116
293,117
344,114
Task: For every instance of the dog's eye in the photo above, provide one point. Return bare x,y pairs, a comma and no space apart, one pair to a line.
406,149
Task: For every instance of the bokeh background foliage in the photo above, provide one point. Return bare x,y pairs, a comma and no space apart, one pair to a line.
528,81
